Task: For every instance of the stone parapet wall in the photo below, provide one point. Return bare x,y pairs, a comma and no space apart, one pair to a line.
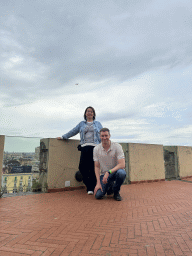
2,142
146,162
184,155
59,162
62,164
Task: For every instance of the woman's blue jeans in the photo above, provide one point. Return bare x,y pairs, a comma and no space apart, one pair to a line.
115,180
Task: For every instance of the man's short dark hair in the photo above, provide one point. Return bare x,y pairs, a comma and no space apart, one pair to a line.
105,130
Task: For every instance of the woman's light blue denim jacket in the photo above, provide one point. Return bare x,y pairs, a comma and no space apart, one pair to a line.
80,129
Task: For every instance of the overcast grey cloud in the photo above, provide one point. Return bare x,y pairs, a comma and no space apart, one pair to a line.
130,60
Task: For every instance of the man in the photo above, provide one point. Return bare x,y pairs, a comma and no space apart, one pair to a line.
109,158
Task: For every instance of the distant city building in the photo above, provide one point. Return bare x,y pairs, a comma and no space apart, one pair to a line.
15,182
37,153
25,162
19,170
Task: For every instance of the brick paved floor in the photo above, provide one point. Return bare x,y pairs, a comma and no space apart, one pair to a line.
153,219
188,179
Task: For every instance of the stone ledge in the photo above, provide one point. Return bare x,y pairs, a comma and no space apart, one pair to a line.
146,181
186,177
52,190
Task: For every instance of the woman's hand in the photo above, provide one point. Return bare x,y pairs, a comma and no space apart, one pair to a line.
59,138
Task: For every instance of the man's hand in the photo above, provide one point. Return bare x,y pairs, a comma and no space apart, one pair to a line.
105,178
98,186
59,138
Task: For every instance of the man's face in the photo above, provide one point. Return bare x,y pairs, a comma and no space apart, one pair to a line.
105,136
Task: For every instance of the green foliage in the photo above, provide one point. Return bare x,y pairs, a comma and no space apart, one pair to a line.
2,191
36,186
45,185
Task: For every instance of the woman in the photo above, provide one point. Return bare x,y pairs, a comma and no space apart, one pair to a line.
90,137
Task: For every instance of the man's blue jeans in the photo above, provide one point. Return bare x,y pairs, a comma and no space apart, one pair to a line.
115,180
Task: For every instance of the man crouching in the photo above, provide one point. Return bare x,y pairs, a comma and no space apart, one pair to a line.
109,158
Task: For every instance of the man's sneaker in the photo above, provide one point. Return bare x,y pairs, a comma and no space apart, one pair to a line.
117,197
110,191
90,192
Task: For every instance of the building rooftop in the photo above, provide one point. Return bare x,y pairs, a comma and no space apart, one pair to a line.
153,219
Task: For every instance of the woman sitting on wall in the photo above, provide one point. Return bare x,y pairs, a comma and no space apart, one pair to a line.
90,137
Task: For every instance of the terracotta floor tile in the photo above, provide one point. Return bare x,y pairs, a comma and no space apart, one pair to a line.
153,219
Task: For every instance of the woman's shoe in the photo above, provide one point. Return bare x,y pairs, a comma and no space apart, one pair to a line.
90,192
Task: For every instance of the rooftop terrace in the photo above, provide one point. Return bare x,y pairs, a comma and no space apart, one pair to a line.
153,219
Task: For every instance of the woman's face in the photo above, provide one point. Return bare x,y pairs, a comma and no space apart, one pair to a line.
89,113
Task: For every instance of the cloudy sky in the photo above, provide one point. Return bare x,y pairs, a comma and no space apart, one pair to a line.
129,59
